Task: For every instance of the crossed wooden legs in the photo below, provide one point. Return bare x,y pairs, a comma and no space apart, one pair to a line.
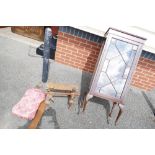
34,123
88,96
54,90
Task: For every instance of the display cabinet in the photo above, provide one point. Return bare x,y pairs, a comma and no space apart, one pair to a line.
115,66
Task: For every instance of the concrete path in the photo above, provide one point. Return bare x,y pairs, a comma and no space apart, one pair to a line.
19,71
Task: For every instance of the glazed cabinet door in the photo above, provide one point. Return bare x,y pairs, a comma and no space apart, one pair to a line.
115,68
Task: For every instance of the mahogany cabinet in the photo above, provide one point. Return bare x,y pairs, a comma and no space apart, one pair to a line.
115,66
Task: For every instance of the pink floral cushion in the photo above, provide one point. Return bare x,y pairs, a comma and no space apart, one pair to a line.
29,103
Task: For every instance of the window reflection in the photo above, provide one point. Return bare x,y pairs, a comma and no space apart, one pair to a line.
116,68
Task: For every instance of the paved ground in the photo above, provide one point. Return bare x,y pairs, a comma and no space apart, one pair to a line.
18,72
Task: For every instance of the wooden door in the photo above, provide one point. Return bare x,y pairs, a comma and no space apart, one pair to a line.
34,32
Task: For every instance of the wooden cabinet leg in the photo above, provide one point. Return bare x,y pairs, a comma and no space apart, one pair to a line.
121,108
113,106
86,99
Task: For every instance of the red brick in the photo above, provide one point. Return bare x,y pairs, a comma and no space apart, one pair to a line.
93,59
63,38
80,40
71,48
96,44
78,64
97,52
89,49
69,36
74,53
60,33
146,83
92,43
152,70
90,61
74,42
95,48
60,59
85,45
137,84
148,61
84,52
58,50
71,56
145,68
139,70
135,79
61,45
136,76
82,59
80,55
140,74
69,62
78,47
141,59
68,44
99,45
151,66
140,63
152,80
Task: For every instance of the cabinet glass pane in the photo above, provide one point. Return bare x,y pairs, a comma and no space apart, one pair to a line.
116,68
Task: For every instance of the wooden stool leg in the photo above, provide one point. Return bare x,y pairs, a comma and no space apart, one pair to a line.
86,99
38,116
113,106
71,98
70,101
121,107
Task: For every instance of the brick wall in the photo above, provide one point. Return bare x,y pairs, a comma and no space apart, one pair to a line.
77,52
144,76
81,51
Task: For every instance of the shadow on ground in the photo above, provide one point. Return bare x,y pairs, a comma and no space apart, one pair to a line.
50,112
85,83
